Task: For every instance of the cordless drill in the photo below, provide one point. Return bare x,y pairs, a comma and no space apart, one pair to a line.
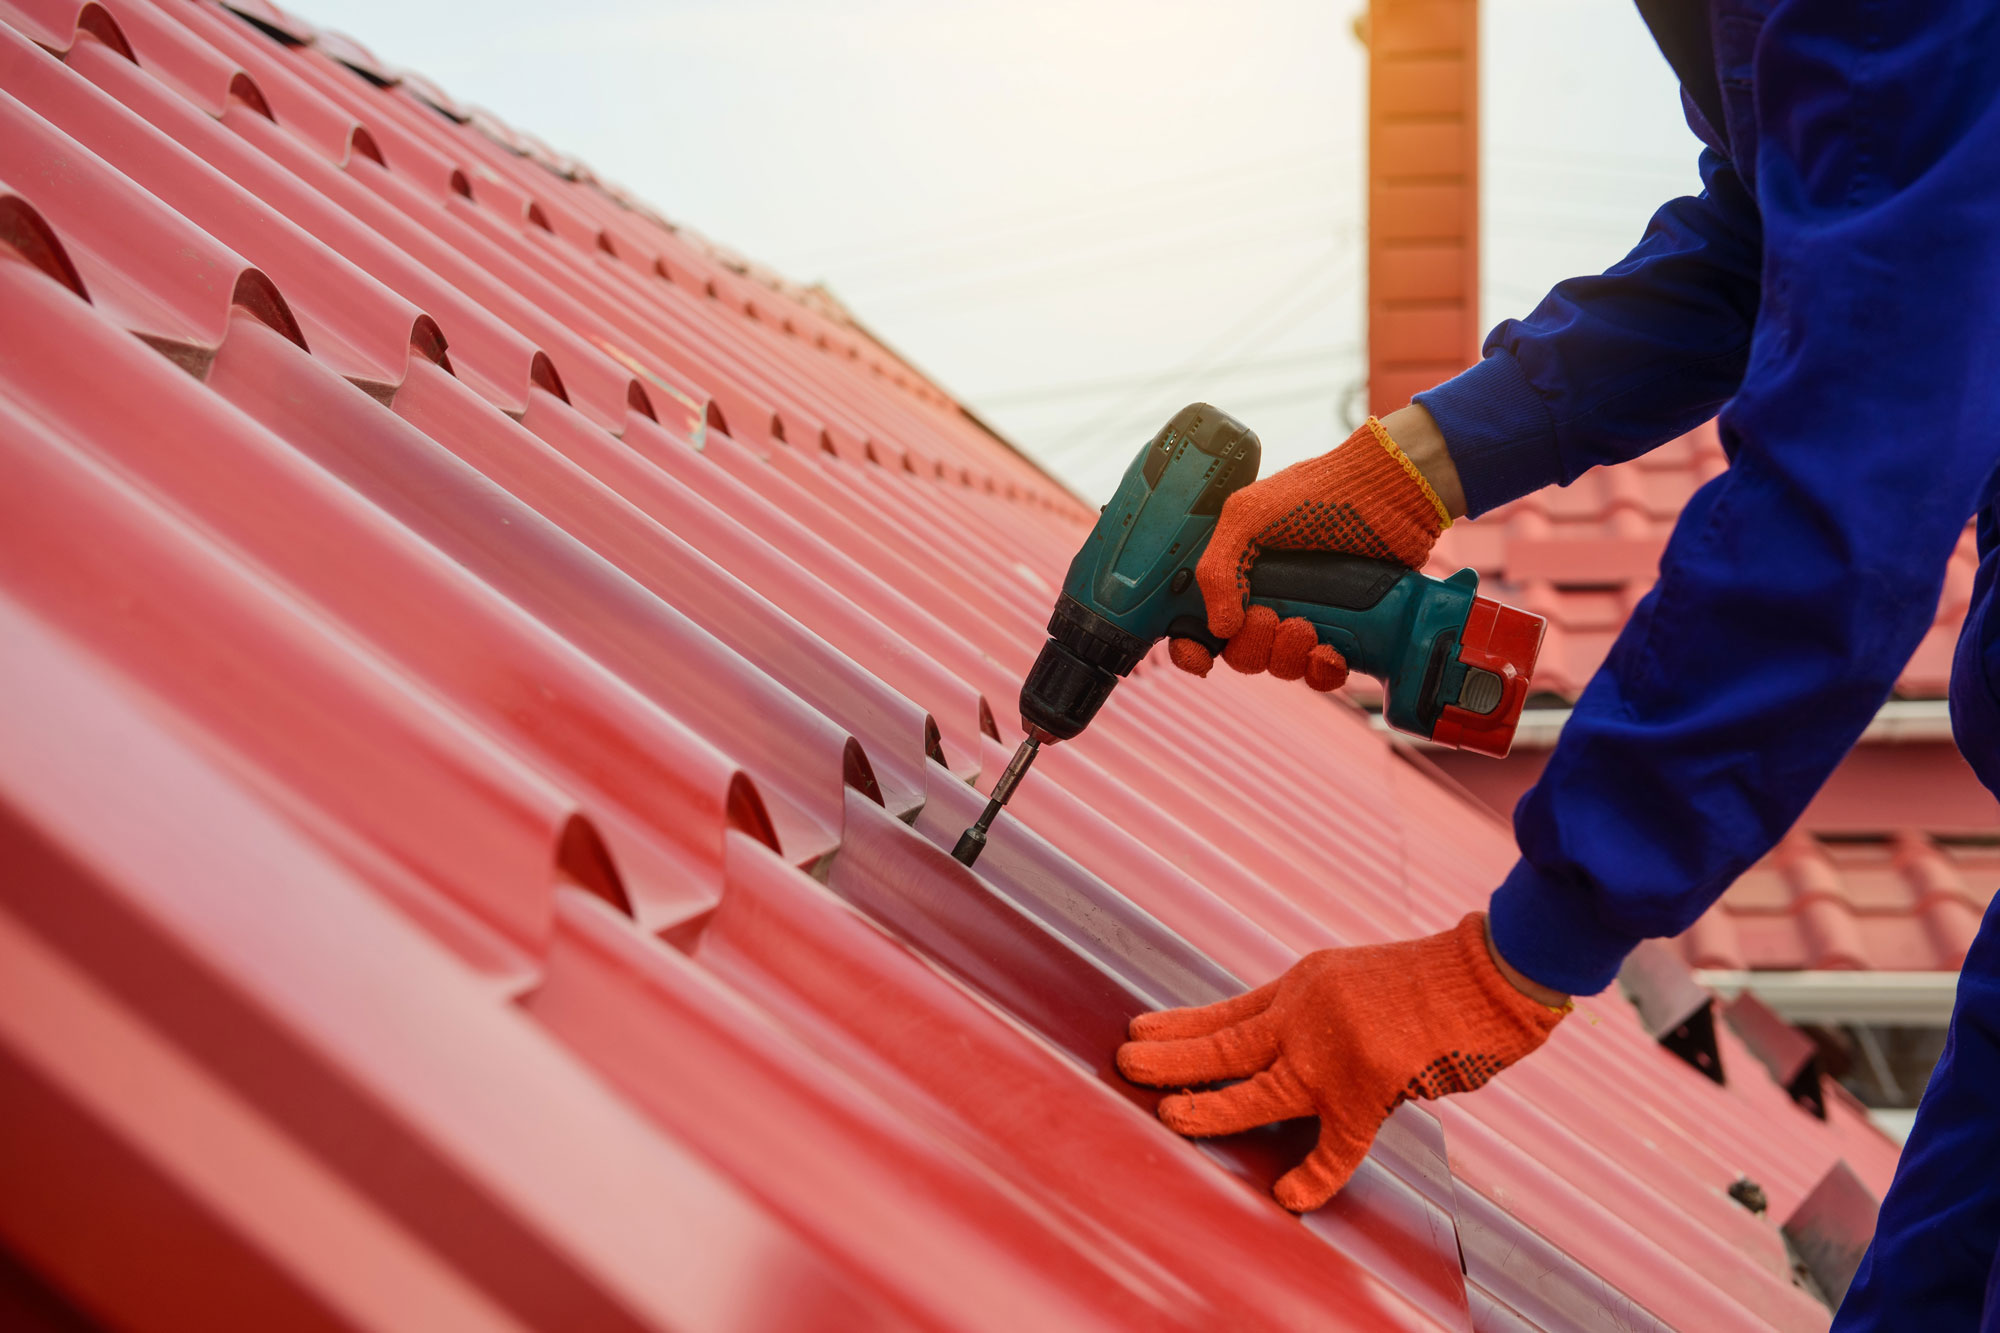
1454,666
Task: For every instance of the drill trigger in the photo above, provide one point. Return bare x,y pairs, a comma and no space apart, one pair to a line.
1195,628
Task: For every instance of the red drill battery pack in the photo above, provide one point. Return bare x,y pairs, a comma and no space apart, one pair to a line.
1505,641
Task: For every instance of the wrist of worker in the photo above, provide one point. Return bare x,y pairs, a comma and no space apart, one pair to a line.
1550,926
1482,438
1534,990
1416,433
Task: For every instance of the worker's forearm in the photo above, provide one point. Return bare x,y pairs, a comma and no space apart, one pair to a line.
1610,366
1606,367
1418,436
1529,987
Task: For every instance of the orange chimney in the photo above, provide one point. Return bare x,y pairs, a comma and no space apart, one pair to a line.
1423,195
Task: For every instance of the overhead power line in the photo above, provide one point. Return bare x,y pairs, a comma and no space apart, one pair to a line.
1108,199
1596,161
1092,387
1304,294
1328,209
1094,264
1146,419
1329,389
1142,218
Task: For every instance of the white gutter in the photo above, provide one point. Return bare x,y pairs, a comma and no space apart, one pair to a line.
1896,1122
1911,720
1878,999
1899,720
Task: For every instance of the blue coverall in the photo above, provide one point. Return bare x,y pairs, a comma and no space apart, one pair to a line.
1833,296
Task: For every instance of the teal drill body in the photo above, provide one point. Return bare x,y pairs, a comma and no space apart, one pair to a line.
1453,665
1136,570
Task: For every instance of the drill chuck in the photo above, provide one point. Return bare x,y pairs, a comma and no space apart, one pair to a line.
1063,692
1083,658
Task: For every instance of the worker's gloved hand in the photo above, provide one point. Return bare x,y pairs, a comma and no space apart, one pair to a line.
1364,498
1346,1035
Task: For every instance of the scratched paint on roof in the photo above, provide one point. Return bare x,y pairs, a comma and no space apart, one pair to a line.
490,680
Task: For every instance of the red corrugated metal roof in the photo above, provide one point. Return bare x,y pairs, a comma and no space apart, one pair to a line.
488,685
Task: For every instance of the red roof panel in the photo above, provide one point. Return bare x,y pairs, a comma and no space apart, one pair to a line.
490,680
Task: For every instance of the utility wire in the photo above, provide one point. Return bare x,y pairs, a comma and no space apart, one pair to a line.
1603,160
1330,389
1092,266
1622,234
1525,296
904,249
1087,388
1108,199
919,269
1139,218
1331,392
1259,328
1142,396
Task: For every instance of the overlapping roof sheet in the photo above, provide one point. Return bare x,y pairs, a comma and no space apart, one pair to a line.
488,684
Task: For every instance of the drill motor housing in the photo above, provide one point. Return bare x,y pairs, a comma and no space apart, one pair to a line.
1454,666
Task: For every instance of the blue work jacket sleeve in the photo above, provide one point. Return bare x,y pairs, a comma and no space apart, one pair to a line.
1610,366
1862,437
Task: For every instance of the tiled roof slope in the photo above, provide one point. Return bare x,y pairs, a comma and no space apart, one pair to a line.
1909,821
1584,554
1904,903
487,684
1889,869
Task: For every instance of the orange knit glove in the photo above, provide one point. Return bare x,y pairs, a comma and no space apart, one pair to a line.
1364,498
1346,1035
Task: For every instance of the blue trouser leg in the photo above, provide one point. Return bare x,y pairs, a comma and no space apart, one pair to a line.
1932,1265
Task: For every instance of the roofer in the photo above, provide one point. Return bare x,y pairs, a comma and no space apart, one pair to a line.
1832,297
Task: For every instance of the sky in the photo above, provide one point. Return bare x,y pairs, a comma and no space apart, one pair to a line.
1075,215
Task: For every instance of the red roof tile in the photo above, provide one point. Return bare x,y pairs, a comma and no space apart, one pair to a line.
1584,554
1880,872
1901,904
489,683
